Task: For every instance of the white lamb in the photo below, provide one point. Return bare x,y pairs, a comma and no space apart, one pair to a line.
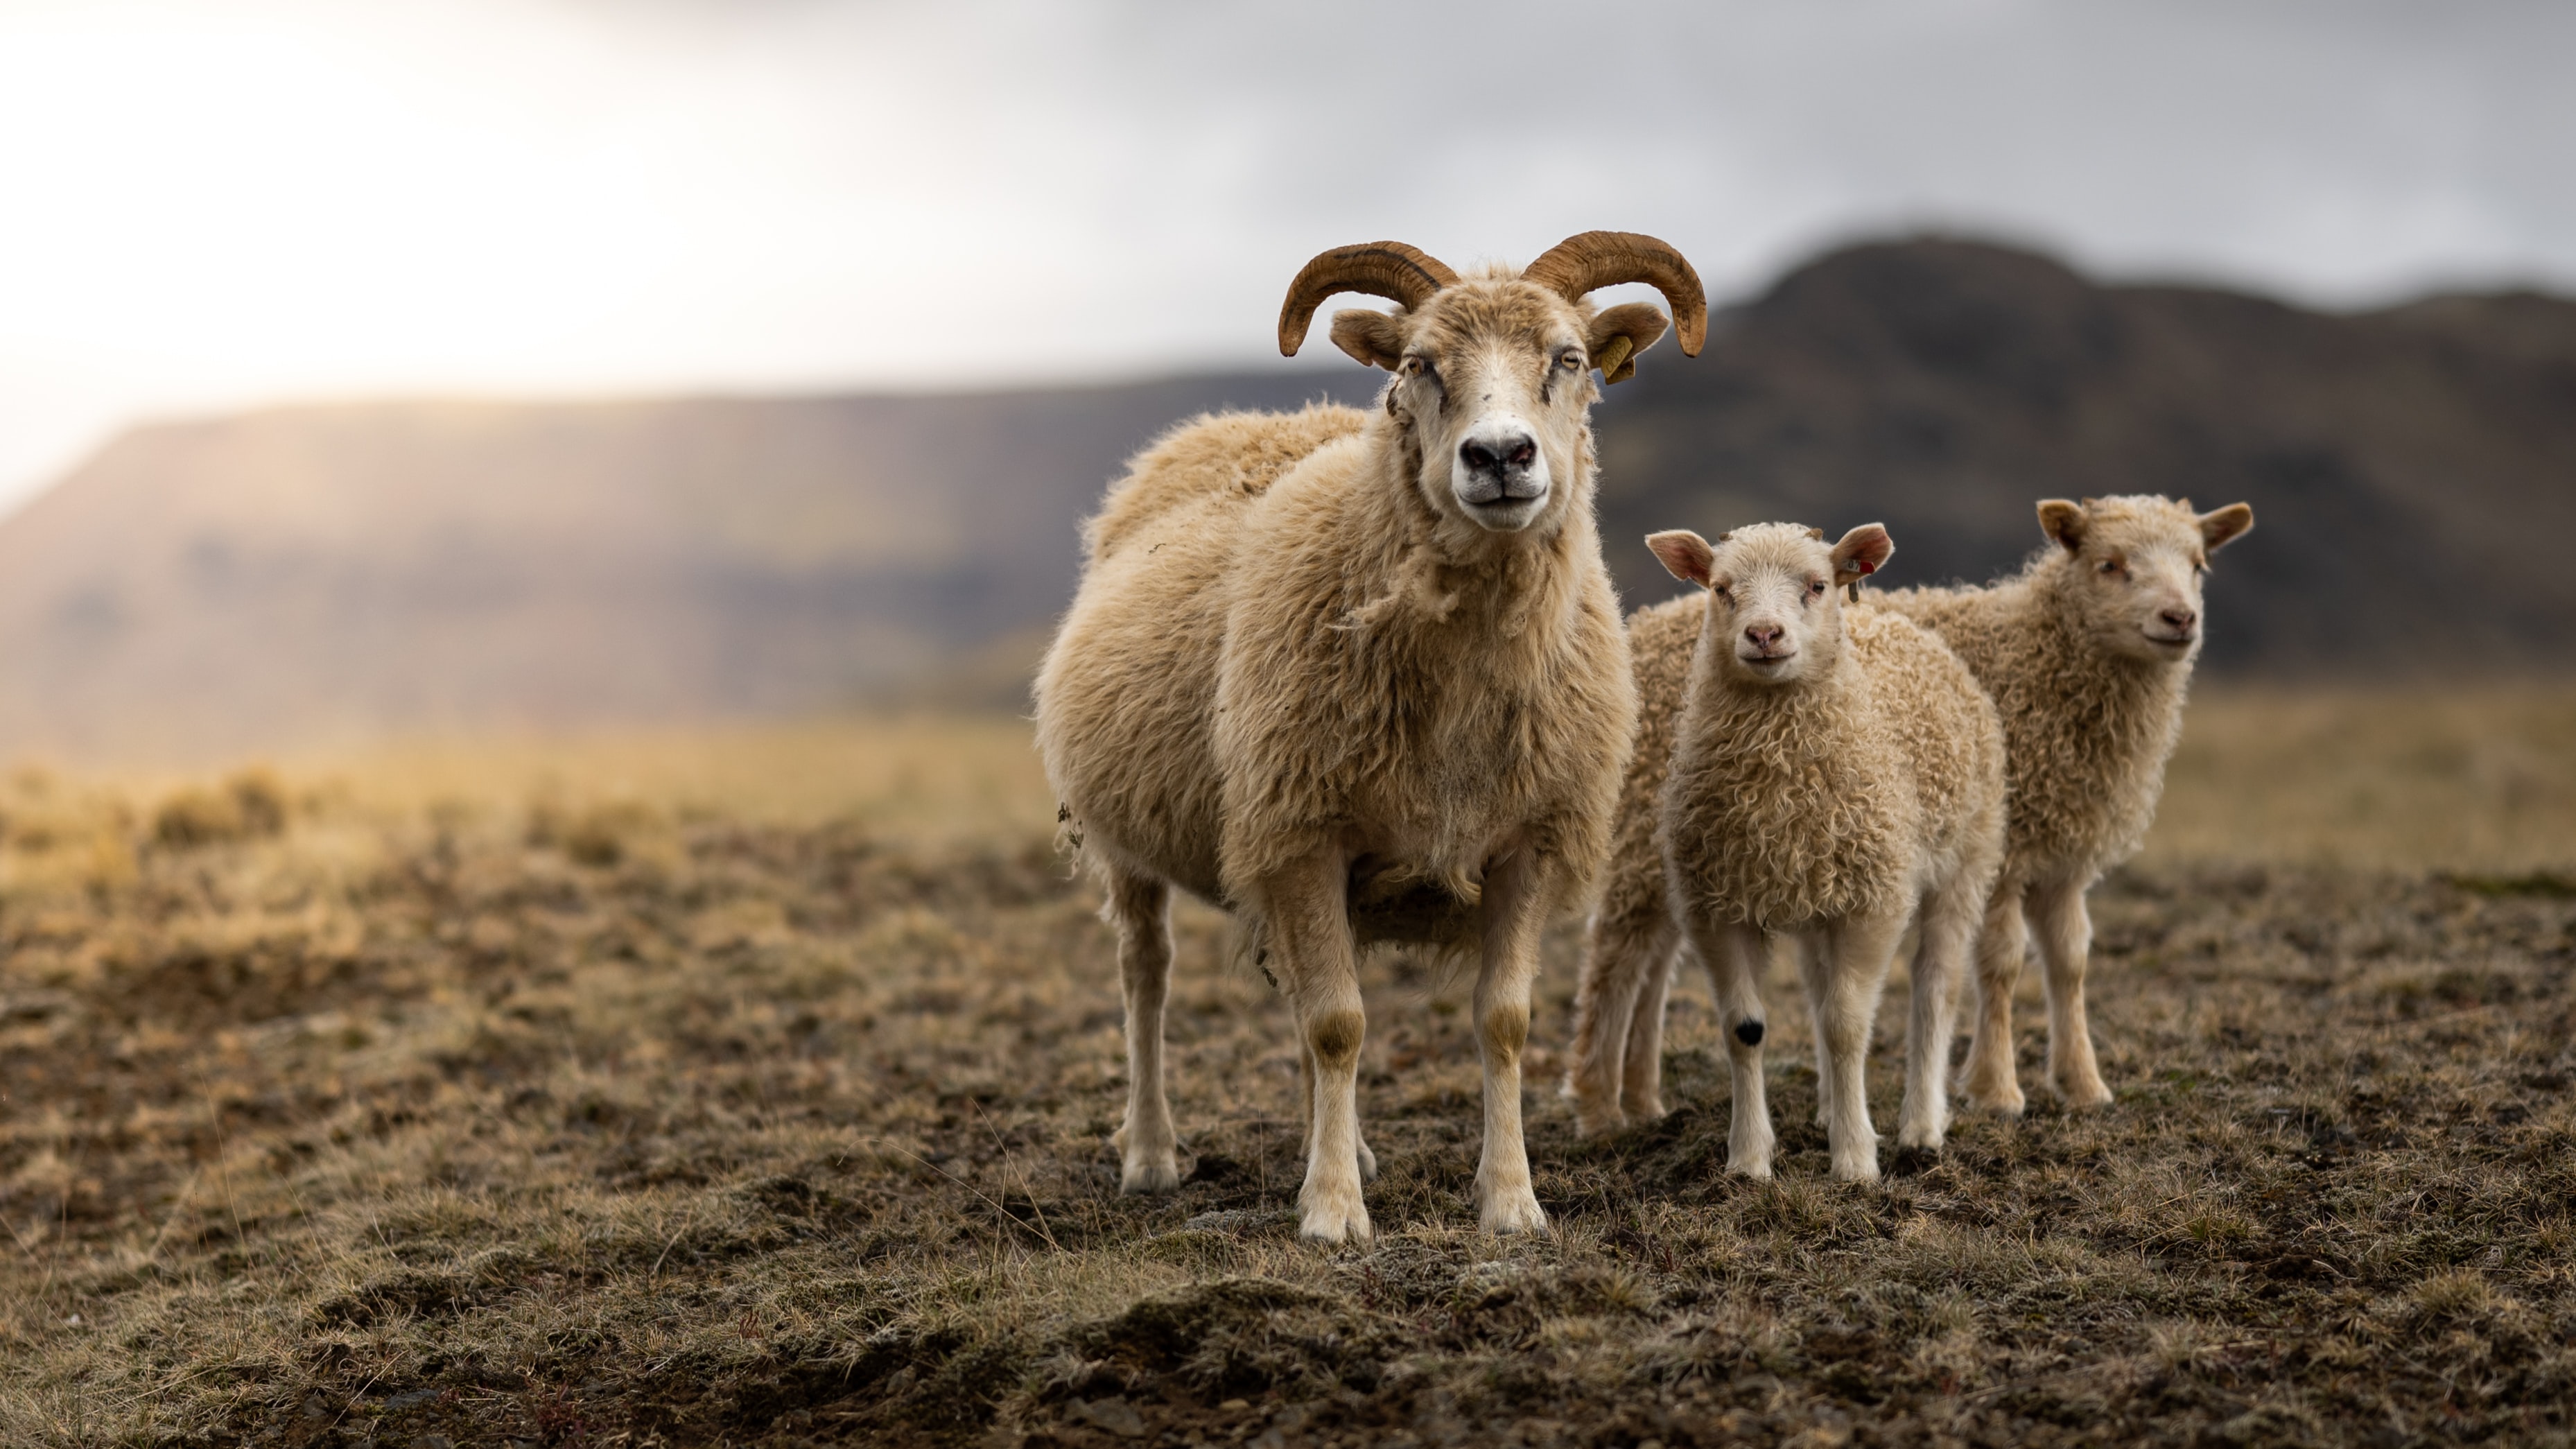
2088,654
1826,772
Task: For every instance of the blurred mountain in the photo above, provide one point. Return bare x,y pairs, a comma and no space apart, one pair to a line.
327,574
313,574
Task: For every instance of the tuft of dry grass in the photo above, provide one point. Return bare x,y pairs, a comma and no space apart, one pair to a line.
2479,779
574,1103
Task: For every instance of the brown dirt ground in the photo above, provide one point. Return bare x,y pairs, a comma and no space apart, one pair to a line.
626,1124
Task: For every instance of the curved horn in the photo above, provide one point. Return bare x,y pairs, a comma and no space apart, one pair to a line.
1381,269
1592,259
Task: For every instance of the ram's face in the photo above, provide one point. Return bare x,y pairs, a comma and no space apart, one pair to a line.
1498,387
2139,565
1494,380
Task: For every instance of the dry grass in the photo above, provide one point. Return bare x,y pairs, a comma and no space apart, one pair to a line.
755,1090
2479,779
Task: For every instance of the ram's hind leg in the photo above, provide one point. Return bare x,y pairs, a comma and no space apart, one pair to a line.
1139,908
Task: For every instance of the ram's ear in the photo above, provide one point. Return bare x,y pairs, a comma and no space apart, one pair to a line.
1619,334
2221,526
2063,520
1863,551
1685,553
1375,338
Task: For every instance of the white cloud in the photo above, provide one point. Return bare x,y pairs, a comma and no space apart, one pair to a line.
211,206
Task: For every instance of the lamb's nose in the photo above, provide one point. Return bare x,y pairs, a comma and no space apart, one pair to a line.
1763,636
2179,620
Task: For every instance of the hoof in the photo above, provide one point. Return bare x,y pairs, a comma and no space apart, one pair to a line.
1596,1114
2085,1096
2006,1100
1163,1175
1516,1211
1643,1111
1331,1220
1857,1169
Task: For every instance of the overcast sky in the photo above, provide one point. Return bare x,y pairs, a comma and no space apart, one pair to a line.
204,207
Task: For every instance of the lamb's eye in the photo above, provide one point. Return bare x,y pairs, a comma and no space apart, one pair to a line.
1816,587
2110,566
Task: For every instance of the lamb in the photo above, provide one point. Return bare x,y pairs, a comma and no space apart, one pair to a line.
2088,653
1830,773
1359,678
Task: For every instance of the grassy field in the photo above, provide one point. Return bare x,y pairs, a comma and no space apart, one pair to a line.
754,1087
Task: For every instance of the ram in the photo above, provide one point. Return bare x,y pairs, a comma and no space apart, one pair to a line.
2088,653
1359,677
1826,774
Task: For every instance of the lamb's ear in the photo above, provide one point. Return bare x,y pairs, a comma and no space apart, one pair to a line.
2221,526
2064,521
1685,553
1619,334
1864,551
1375,338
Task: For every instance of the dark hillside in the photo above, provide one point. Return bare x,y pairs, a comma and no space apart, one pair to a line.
1942,386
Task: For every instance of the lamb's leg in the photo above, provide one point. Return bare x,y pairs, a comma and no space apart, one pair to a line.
1621,961
1307,915
1641,1079
1814,956
1947,935
1513,914
1735,955
2001,944
1857,954
1139,908
2065,932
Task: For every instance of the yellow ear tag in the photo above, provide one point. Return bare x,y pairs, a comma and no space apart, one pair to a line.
1617,361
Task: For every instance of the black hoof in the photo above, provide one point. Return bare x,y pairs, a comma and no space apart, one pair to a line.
1749,1032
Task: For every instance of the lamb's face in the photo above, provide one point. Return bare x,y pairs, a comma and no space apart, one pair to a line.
1494,381
2139,563
1775,612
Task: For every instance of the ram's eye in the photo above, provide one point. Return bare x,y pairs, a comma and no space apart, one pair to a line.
1571,361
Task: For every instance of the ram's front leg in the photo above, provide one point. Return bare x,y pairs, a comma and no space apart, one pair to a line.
1305,909
1514,913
